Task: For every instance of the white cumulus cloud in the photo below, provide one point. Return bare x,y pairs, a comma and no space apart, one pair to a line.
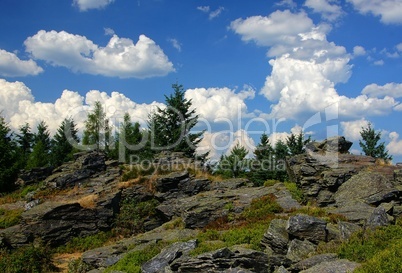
351,129
390,11
84,5
305,67
220,104
18,106
395,145
328,9
359,51
12,66
390,89
119,58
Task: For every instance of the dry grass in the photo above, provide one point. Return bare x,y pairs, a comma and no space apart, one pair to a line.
62,260
89,201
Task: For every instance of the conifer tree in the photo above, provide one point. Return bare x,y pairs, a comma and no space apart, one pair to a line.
171,127
296,143
8,158
41,148
97,129
25,142
369,143
63,141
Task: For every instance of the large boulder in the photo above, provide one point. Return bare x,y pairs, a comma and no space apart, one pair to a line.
307,227
370,187
276,237
336,266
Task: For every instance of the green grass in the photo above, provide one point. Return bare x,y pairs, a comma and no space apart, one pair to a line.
379,251
18,194
296,193
29,259
81,244
131,263
9,218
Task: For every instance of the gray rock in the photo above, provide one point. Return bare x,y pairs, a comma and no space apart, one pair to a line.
312,261
354,211
224,260
276,237
378,218
299,250
170,182
167,256
348,229
337,266
369,187
281,269
229,184
307,227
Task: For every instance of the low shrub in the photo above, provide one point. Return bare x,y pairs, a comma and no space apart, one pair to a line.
30,259
81,244
78,266
9,218
296,192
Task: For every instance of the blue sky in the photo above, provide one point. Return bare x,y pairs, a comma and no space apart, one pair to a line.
328,66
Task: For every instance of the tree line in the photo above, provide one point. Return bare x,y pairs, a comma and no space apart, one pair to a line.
168,128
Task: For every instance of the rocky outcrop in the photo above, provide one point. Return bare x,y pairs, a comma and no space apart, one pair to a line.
86,166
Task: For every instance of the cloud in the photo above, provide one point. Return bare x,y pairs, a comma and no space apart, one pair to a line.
19,106
395,145
12,66
305,68
220,104
175,43
287,3
379,62
109,31
390,11
84,5
351,129
390,89
328,9
119,58
359,51
399,47
221,143
212,13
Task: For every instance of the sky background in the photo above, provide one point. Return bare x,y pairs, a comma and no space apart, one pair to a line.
325,66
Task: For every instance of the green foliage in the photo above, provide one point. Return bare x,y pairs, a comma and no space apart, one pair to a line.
97,130
132,215
296,143
25,142
78,266
18,194
261,209
170,127
30,259
369,141
9,218
233,165
296,192
8,158
82,244
131,263
62,149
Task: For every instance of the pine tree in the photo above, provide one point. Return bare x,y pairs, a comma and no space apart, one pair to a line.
25,142
63,141
128,139
234,164
281,152
97,130
263,166
170,127
8,158
296,143
369,141
41,148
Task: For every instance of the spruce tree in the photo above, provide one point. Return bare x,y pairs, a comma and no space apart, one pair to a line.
296,143
41,148
63,141
234,164
25,142
97,129
8,158
171,127
263,167
369,143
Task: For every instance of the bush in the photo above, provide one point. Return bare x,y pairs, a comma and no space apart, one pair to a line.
296,192
81,244
28,259
9,218
78,266
132,216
